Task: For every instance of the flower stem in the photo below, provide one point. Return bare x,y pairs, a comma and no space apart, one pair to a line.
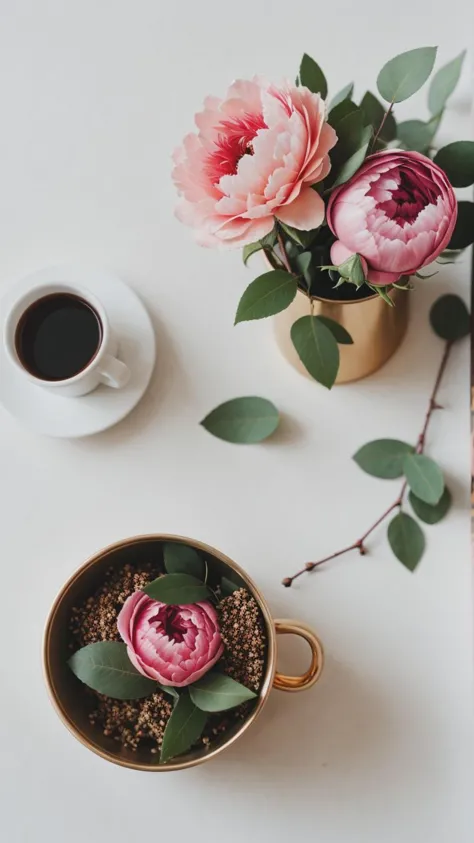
284,256
359,544
388,111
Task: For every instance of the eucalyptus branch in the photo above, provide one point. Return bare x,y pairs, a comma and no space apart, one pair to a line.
382,124
359,544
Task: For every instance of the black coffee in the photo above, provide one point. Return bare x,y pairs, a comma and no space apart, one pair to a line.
58,336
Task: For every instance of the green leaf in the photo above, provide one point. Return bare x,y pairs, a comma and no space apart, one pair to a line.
270,293
316,348
183,729
312,76
168,689
350,133
344,94
340,111
404,75
450,318
352,270
443,84
457,161
303,238
228,587
374,113
463,234
356,159
383,457
217,692
182,559
250,249
431,513
424,477
415,135
406,539
339,333
243,420
106,668
449,256
177,589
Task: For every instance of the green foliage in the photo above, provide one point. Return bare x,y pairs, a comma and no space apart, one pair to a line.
243,420
463,234
269,294
303,262
177,589
457,161
406,539
344,94
312,76
250,249
182,559
431,513
228,587
374,113
424,477
356,159
105,667
183,729
383,457
217,692
316,348
416,135
340,111
339,333
404,75
443,84
450,318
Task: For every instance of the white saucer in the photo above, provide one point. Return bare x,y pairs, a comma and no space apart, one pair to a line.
55,415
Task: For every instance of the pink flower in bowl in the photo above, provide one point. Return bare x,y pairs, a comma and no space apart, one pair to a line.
255,157
174,645
397,212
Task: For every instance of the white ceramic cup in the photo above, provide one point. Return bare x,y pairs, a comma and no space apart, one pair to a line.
104,367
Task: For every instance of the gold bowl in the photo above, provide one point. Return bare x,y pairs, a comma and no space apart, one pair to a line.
70,697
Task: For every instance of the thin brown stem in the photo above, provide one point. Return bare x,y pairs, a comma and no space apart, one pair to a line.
377,134
359,544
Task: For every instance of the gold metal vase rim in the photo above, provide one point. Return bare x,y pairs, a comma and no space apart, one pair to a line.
265,690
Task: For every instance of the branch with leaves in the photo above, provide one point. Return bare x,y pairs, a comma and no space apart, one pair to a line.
389,459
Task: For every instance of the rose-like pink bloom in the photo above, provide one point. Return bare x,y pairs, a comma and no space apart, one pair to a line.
398,212
174,645
255,157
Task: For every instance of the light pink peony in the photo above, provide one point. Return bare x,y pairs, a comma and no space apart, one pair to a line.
255,157
398,212
174,645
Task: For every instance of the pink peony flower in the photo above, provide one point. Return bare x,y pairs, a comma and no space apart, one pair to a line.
398,212
255,157
174,645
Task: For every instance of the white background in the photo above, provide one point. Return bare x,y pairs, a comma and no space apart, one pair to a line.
94,95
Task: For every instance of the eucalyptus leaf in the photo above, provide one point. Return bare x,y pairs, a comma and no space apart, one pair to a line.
217,692
106,667
177,589
424,477
404,75
182,559
228,587
406,539
414,134
350,133
383,457
339,333
338,112
374,113
312,76
270,293
344,94
243,420
303,263
443,84
316,348
457,161
431,513
450,318
183,729
356,159
463,234
250,249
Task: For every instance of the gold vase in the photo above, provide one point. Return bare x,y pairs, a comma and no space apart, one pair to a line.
376,329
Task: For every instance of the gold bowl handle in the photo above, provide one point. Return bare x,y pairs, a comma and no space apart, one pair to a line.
300,683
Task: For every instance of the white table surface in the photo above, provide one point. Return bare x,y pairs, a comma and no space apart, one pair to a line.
94,96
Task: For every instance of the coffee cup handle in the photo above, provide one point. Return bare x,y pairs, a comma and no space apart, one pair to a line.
113,372
300,683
